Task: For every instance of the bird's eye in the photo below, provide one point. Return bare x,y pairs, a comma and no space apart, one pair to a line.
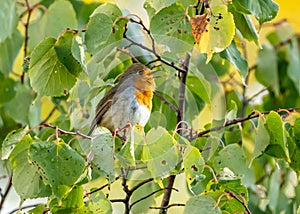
140,72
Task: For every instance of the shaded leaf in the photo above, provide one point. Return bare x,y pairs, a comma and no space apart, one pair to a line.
232,54
8,19
245,25
7,89
20,113
63,49
294,63
9,49
266,73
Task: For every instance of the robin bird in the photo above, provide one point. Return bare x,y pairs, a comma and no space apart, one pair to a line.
129,102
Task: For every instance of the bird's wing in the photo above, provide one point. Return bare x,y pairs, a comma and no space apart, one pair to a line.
102,108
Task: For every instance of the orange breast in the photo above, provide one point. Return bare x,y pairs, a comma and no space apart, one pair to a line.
144,98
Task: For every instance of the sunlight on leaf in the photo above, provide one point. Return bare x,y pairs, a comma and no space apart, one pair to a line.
219,32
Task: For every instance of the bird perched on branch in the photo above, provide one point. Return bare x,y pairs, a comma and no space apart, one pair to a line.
129,102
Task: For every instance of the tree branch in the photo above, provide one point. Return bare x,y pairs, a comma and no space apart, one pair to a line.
8,187
241,120
181,99
61,131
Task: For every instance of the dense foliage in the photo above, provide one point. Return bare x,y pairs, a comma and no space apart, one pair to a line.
212,142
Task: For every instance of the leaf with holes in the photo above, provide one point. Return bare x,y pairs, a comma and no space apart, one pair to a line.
193,168
26,179
160,153
171,21
101,24
59,165
232,157
103,154
219,32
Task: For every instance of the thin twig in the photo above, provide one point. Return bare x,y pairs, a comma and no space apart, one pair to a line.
4,196
150,50
49,115
100,188
26,36
167,207
242,202
167,102
61,131
145,197
25,207
240,120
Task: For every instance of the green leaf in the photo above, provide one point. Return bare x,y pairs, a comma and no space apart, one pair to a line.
263,10
171,21
203,204
266,73
38,209
73,203
160,153
7,89
99,203
277,146
219,32
294,63
199,86
59,165
60,16
20,113
47,74
8,19
11,140
158,5
103,153
26,178
232,157
63,49
232,54
9,49
262,139
193,168
101,24
245,25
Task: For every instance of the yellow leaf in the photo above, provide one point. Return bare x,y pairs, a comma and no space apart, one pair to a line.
219,31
